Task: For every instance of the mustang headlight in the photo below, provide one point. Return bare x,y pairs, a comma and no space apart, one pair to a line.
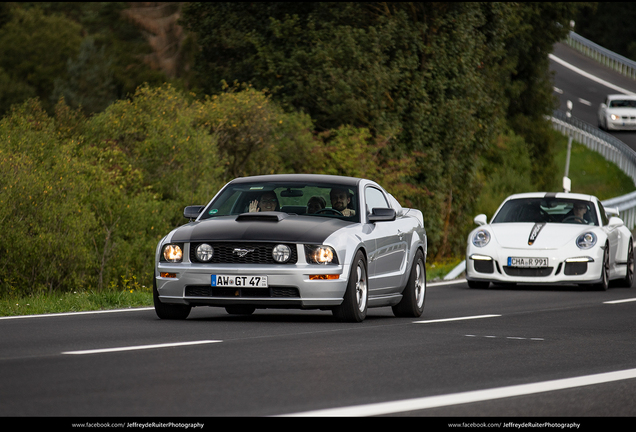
481,238
320,254
281,253
586,240
173,253
204,252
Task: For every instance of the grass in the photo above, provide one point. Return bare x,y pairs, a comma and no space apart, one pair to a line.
590,173
74,302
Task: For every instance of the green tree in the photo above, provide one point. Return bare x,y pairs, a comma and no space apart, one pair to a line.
34,49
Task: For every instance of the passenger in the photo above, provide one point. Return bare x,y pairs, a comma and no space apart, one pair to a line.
315,204
340,200
267,202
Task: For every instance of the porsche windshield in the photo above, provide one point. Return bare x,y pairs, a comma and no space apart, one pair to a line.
538,210
307,199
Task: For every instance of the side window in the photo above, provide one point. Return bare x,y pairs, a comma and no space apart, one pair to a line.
374,199
604,217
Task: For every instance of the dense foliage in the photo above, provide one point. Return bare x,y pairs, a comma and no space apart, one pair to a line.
432,100
611,25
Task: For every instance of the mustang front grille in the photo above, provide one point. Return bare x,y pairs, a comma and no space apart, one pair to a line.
243,253
272,292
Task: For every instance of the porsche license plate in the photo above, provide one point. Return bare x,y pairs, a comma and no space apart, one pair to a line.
239,281
527,262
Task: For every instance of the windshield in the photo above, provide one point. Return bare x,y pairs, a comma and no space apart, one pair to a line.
300,198
555,210
619,103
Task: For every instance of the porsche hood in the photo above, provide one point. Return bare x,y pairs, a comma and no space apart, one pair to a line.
536,235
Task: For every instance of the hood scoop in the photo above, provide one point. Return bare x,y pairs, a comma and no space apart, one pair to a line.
262,217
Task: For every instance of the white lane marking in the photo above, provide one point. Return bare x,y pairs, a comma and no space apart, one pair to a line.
620,301
76,313
456,319
558,90
140,347
585,102
423,403
507,337
451,282
590,76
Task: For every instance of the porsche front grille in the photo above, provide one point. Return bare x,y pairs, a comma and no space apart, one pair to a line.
528,272
242,253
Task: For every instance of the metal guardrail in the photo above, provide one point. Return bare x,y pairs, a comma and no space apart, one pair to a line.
612,149
621,64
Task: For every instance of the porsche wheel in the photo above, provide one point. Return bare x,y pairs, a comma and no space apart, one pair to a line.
354,304
168,311
414,294
604,284
628,280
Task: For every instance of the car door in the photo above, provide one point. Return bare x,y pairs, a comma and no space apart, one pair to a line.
389,256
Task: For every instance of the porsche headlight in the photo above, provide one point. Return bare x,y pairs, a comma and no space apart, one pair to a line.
204,252
173,253
586,240
320,254
281,253
481,238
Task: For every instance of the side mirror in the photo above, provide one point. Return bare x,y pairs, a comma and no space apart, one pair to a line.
192,212
615,222
481,219
382,215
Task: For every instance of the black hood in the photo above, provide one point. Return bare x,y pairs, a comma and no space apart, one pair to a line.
289,228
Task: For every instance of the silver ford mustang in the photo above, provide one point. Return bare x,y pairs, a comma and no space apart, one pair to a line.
295,241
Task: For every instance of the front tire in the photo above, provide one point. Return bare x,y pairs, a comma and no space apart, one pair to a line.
168,311
414,294
354,305
628,280
604,284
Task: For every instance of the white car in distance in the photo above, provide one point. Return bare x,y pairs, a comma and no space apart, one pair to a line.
618,112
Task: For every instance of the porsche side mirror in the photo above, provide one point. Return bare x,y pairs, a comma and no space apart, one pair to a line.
615,222
481,219
382,215
192,212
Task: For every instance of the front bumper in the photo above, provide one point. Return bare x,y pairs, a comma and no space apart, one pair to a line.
575,267
289,286
621,124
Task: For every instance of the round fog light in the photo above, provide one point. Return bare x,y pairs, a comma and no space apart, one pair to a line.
281,253
204,252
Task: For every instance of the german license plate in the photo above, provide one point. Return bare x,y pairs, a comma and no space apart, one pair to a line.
238,281
527,262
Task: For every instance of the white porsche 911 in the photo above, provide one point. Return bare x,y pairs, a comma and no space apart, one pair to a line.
539,238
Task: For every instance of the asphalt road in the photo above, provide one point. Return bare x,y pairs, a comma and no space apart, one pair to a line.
588,92
295,362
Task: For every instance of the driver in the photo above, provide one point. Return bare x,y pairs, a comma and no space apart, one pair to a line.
340,200
579,210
